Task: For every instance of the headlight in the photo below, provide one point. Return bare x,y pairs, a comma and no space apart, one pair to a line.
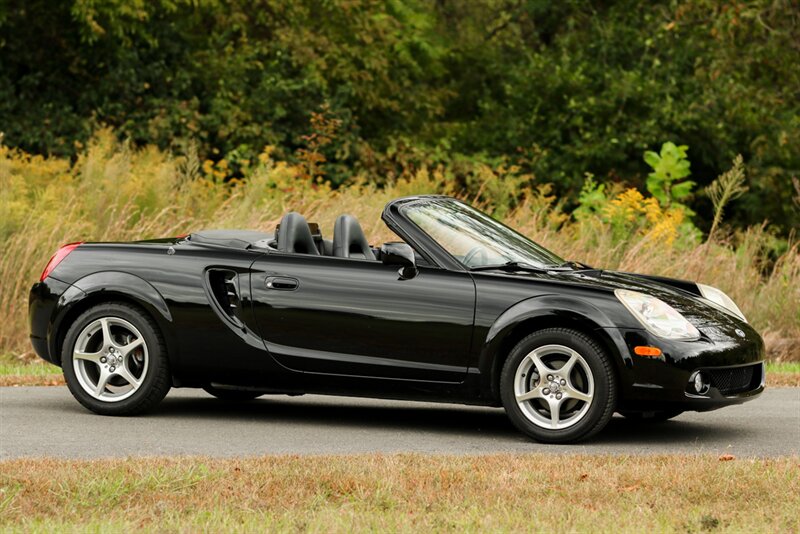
657,316
720,299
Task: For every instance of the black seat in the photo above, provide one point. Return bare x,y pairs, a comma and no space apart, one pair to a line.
349,240
294,235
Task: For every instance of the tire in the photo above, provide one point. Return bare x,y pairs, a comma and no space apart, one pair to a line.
651,417
115,361
584,396
232,395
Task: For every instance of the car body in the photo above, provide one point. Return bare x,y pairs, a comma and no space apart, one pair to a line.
247,313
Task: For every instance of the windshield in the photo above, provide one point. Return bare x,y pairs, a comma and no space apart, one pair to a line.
473,238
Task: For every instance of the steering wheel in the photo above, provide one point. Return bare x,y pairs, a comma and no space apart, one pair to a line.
473,253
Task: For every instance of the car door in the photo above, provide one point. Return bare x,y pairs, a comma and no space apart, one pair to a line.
320,314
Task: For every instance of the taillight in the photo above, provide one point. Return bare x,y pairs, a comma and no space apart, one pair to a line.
60,254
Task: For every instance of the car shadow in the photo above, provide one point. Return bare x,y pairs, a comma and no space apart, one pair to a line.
438,419
442,418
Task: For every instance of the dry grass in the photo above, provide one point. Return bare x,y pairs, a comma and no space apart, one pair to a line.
34,373
28,380
783,374
114,193
537,492
783,380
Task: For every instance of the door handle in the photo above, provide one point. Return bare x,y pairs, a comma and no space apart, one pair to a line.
281,283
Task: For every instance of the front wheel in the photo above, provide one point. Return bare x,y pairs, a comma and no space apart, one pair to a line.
558,386
115,360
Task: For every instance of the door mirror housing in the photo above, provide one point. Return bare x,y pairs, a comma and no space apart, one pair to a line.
400,254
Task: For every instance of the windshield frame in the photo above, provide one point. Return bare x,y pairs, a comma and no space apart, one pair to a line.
535,254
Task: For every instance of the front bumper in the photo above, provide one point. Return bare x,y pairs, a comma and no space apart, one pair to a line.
732,361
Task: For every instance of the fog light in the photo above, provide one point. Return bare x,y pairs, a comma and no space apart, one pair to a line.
699,383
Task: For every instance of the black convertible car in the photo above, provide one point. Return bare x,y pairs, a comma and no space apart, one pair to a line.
462,310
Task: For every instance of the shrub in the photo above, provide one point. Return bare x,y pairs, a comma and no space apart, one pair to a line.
554,88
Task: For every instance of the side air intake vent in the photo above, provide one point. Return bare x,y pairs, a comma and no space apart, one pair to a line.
224,285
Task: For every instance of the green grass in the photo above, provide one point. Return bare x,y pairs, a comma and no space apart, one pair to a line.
9,367
402,493
783,367
15,372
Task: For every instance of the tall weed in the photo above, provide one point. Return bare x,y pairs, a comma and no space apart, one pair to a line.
113,192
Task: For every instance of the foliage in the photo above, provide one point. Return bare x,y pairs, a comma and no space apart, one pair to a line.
323,132
552,88
627,213
115,191
729,186
630,213
591,199
670,167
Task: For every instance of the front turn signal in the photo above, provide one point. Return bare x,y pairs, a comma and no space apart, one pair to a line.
647,351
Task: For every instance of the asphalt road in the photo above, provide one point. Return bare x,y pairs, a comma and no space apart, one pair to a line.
47,421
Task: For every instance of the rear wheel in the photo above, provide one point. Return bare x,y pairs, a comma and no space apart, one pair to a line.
231,395
115,361
558,386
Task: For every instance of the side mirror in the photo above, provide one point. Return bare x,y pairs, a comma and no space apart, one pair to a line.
400,254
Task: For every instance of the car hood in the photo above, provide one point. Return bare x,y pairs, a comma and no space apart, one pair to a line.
677,293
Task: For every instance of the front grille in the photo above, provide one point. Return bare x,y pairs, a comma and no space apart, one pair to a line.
736,379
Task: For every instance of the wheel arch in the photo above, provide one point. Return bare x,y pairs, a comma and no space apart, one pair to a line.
99,288
538,314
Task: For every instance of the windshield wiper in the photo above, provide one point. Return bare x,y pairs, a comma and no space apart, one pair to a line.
576,265
512,266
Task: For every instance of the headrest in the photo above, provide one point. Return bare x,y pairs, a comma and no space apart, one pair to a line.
295,236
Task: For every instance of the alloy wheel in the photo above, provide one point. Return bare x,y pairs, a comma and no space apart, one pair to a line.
110,359
554,387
